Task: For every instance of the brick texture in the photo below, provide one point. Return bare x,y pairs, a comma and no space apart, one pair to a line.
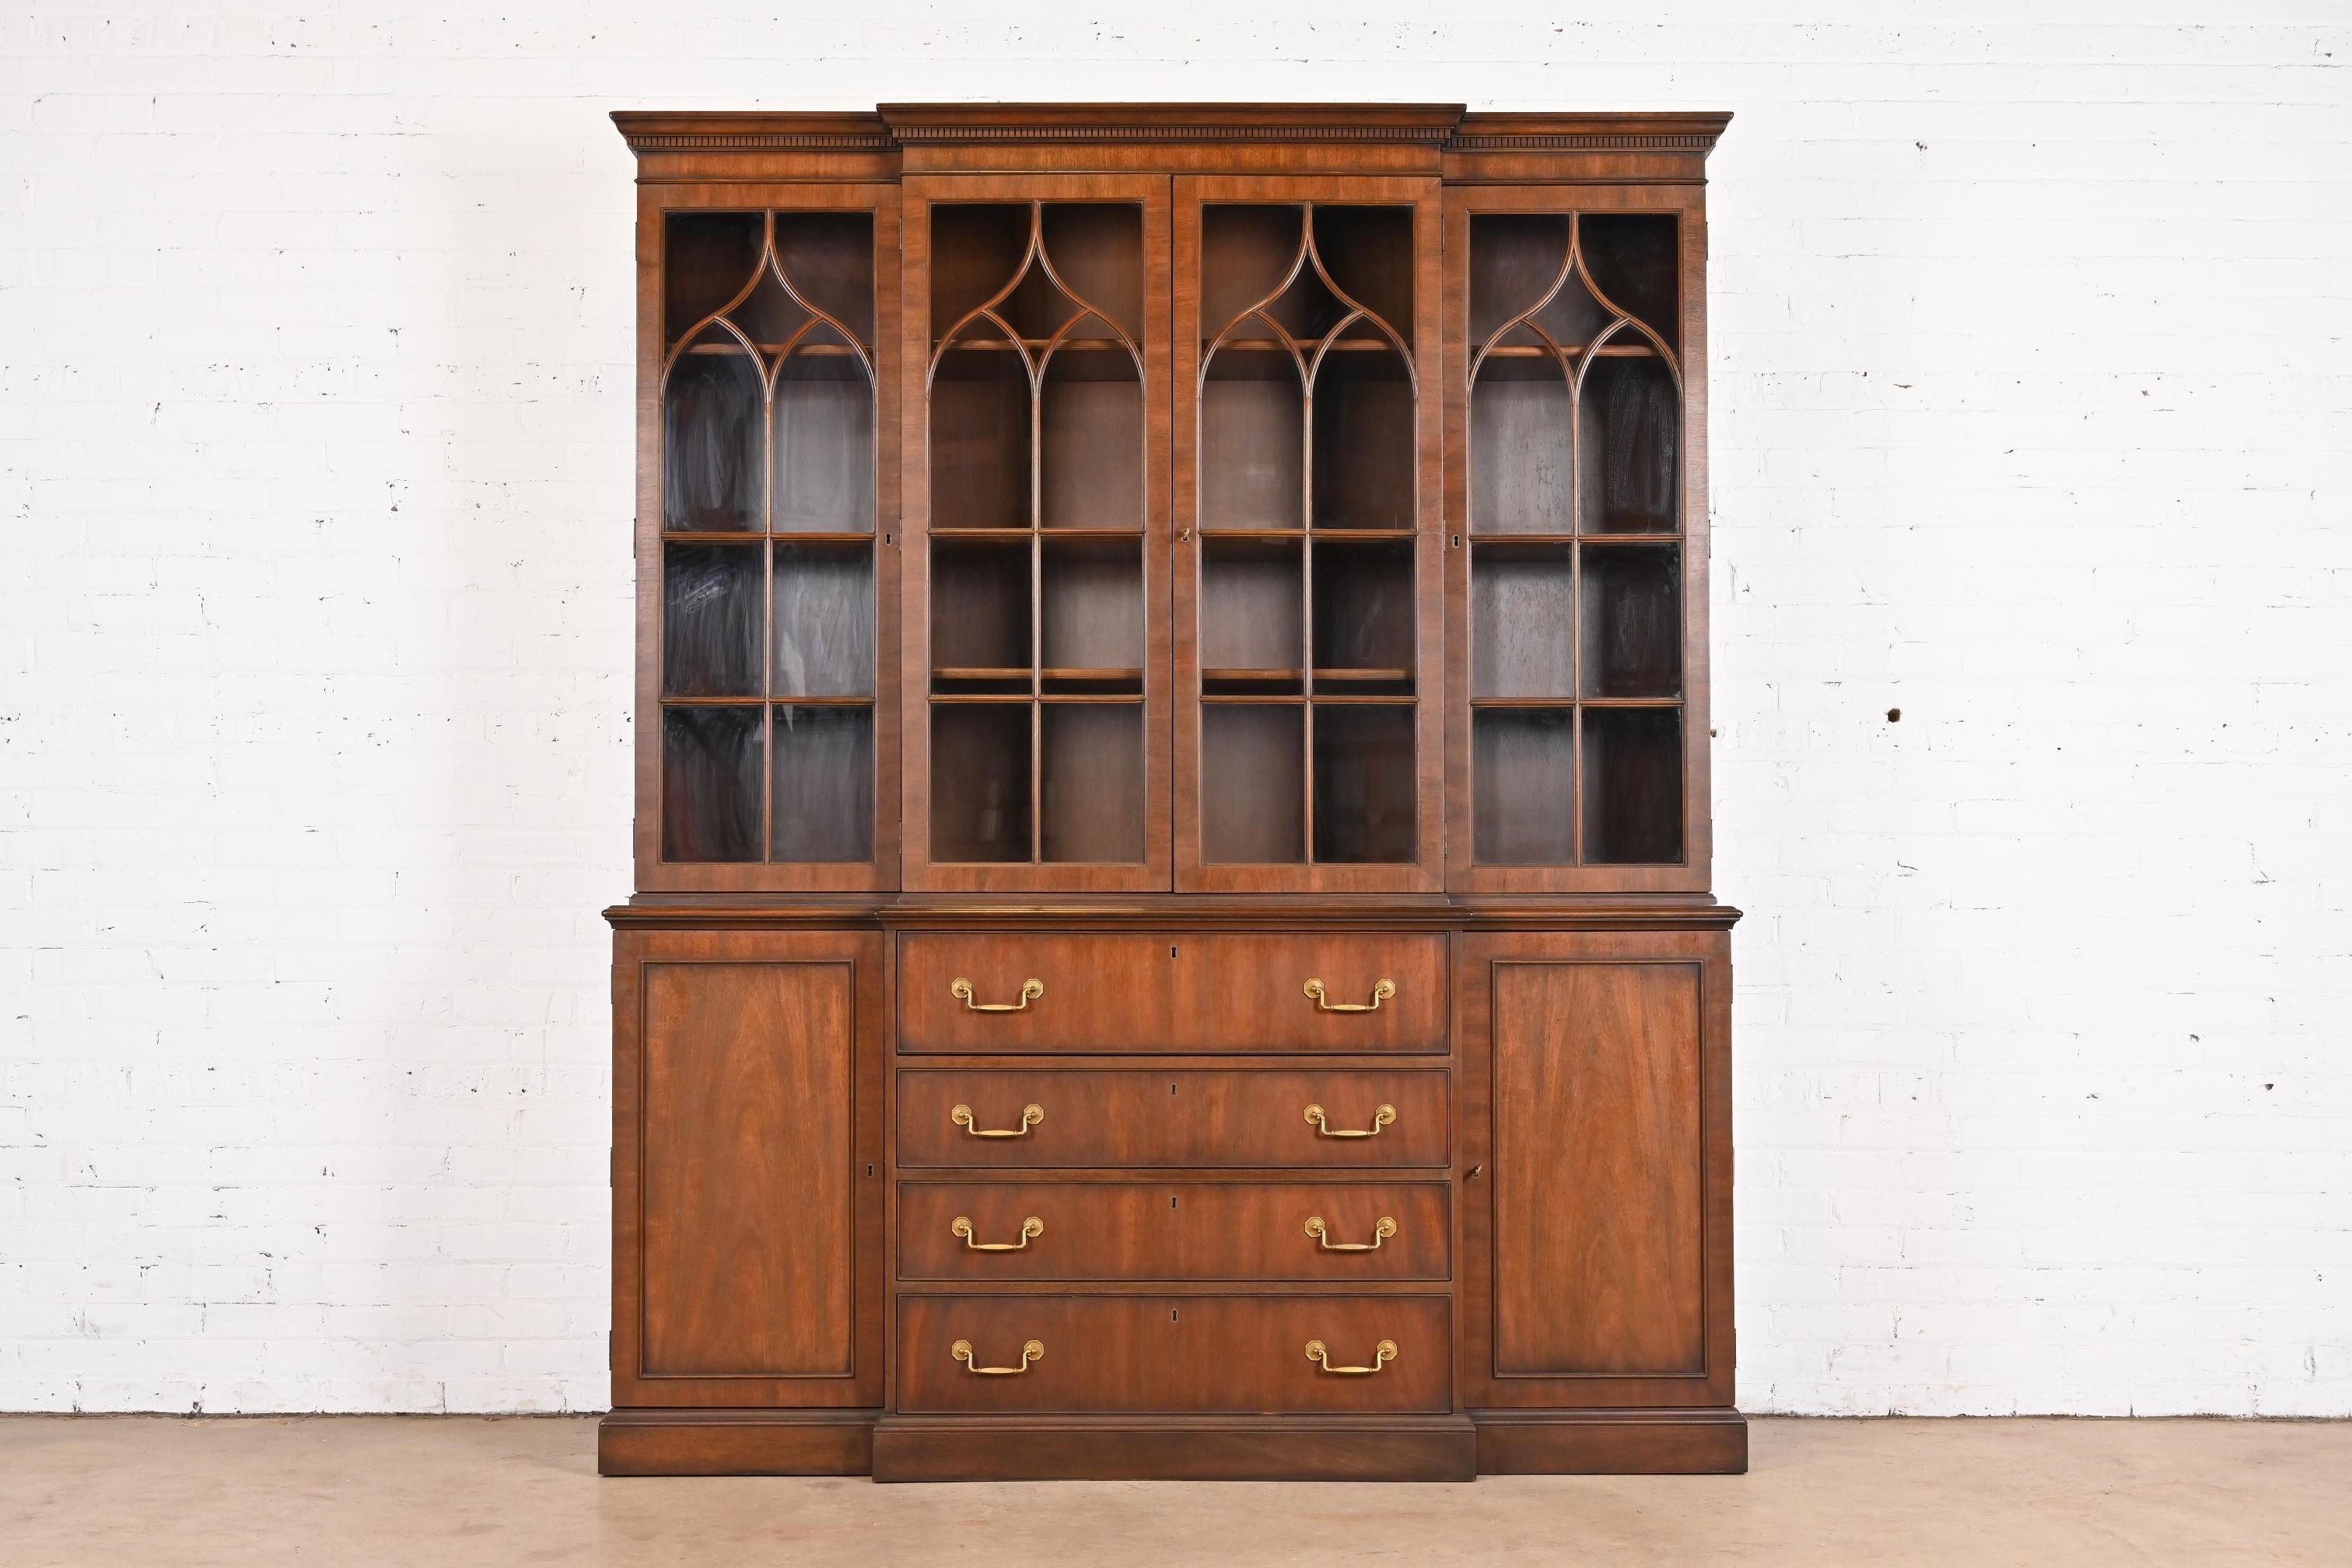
2033,408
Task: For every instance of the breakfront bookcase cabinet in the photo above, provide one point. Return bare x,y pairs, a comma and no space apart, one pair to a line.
1172,933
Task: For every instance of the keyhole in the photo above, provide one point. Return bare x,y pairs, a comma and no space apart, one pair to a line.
1171,1315
1171,950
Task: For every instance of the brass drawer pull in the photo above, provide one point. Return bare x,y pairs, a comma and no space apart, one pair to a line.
1030,1116
1382,1353
1381,1118
1032,1227
1380,993
1031,990
1386,1228
1034,1351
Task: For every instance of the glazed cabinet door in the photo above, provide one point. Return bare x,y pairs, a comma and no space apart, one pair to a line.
1596,1113
767,506
1034,366
746,1203
1308,613
1577,546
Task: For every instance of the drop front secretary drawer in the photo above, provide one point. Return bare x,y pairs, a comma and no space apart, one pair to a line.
974,993
1174,1354
1332,1232
1347,1117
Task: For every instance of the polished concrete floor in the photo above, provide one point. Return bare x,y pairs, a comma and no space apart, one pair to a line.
423,1491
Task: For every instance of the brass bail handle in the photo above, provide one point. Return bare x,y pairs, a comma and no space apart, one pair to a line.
1386,1228
1033,1351
1031,1228
1030,1116
1380,993
1381,1118
1382,1353
1031,990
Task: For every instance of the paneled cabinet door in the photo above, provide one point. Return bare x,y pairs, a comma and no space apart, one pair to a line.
1596,1106
1308,614
1034,446
747,1204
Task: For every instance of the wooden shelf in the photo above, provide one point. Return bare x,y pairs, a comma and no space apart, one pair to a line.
1345,673
815,351
1536,351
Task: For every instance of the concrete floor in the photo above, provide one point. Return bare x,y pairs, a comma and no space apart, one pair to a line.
422,1492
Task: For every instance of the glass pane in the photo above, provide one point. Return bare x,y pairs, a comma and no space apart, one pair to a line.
1514,258
979,440
1245,254
1633,260
823,417
710,784
1091,439
980,611
1253,783
1364,456
1363,783
1632,785
823,800
1092,628
707,258
1092,780
1367,253
823,621
1364,616
1522,447
712,465
979,781
977,249
1096,250
711,620
1522,621
1252,600
1630,463
1253,467
1633,621
1523,781
829,259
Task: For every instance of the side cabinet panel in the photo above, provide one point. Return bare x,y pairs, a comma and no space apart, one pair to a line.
747,1229
1599,1099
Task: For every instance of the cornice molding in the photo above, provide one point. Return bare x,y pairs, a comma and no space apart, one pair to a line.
894,127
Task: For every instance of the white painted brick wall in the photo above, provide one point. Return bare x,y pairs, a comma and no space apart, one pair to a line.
2032,388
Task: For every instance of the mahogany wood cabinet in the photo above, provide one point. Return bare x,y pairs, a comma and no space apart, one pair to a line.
1172,933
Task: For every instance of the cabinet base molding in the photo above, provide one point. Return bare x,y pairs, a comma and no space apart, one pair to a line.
1174,1448
735,1443
1611,1442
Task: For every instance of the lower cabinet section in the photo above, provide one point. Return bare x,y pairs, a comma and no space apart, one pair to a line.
1175,1354
840,1250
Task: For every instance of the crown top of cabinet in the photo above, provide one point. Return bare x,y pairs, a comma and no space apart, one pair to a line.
1425,138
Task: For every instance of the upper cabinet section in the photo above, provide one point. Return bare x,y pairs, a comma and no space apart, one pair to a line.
1212,498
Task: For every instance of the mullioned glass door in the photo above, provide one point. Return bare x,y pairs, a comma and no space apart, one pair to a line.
1307,613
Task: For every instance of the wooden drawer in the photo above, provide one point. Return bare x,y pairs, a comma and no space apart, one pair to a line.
1165,1230
1173,1354
1239,1119
1176,994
